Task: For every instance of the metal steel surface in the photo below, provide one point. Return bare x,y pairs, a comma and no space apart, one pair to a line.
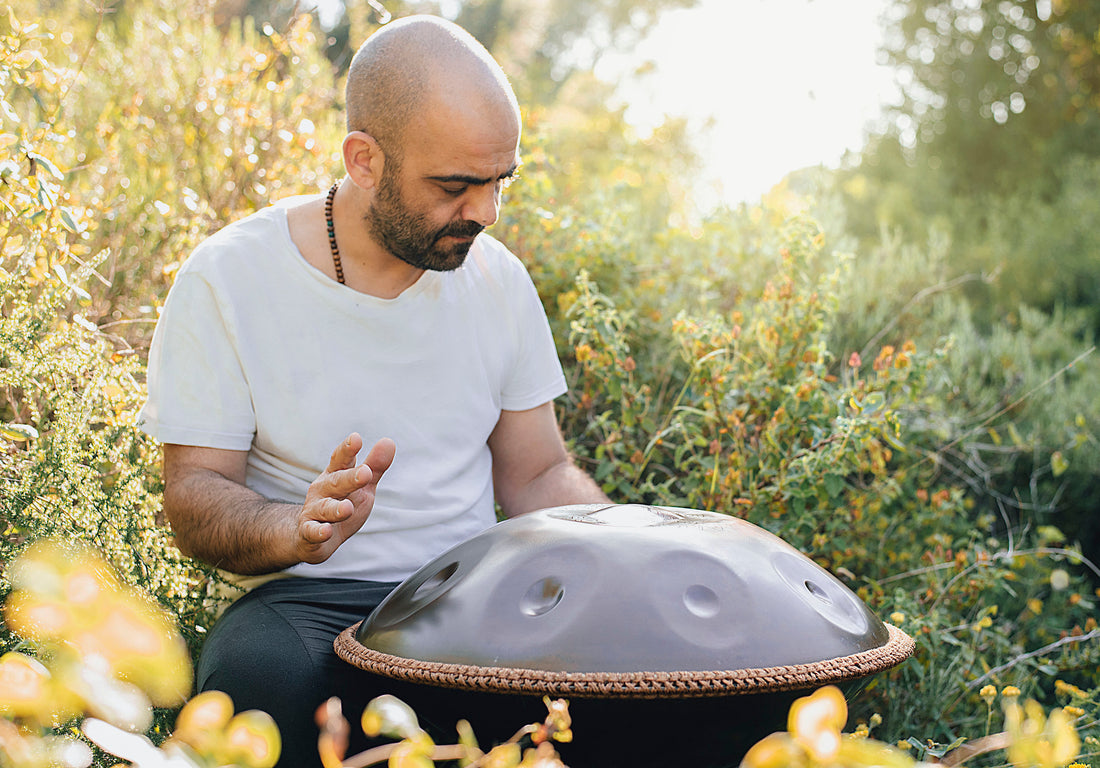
622,588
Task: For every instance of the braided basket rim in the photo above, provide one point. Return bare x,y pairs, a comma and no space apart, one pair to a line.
627,685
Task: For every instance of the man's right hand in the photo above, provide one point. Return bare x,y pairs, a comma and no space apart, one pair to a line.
217,519
340,500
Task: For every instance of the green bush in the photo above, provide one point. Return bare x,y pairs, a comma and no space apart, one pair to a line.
1044,247
74,466
230,119
876,455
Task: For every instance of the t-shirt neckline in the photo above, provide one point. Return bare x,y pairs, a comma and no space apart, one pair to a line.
333,289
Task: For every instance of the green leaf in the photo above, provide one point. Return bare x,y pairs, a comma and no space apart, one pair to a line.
893,440
46,163
19,432
9,112
1014,435
67,220
939,750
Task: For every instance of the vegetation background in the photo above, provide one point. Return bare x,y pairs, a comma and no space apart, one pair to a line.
890,364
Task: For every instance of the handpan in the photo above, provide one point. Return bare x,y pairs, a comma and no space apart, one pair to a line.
623,602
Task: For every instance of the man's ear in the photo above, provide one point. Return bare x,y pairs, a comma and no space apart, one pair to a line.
363,159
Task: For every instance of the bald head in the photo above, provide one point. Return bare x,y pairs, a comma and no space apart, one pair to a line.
410,64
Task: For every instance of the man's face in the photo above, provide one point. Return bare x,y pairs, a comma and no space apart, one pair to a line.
443,186
411,234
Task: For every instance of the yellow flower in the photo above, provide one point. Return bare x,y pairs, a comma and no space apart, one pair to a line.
24,687
1010,691
815,722
68,594
868,753
412,753
558,720
502,756
566,300
201,721
775,751
897,617
251,739
388,715
1038,740
1068,689
815,739
984,623
988,694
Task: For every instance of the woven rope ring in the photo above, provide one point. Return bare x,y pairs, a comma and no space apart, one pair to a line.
628,685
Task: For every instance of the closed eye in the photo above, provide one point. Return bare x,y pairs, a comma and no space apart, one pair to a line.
457,184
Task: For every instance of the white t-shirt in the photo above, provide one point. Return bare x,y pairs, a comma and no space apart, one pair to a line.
257,350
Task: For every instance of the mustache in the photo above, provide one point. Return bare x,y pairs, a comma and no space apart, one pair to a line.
460,229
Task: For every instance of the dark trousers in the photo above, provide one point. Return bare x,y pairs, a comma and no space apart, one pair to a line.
272,650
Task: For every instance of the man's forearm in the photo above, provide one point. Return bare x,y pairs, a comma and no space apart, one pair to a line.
227,525
217,519
560,484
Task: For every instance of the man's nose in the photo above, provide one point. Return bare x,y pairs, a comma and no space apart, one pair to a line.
483,206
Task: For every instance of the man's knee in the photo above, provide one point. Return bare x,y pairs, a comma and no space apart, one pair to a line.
258,659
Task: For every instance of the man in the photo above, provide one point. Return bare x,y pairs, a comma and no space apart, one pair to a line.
375,315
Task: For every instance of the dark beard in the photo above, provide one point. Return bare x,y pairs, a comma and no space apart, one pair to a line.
410,236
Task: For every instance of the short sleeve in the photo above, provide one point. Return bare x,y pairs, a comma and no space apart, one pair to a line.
537,376
197,392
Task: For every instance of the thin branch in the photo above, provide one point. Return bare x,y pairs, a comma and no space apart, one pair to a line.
100,11
1038,652
1071,554
918,297
384,16
1027,395
381,754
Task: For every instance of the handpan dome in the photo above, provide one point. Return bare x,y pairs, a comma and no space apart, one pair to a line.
623,601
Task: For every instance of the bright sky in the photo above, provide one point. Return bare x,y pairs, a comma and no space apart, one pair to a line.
789,84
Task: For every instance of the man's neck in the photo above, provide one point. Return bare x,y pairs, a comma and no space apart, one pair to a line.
367,267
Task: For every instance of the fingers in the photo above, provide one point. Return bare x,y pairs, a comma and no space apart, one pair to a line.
381,457
332,510
316,525
313,532
344,455
340,483
329,516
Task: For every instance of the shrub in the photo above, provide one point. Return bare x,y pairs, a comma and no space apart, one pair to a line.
879,468
230,119
74,465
